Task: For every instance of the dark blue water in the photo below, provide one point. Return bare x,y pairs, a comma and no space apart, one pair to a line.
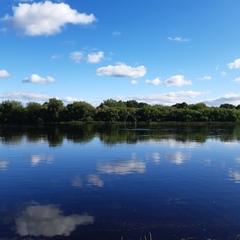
120,183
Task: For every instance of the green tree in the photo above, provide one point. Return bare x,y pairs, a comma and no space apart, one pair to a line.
35,112
227,106
132,104
54,109
80,111
12,112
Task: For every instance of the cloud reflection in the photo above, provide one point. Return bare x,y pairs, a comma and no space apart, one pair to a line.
122,168
177,158
77,182
36,159
155,156
3,165
237,160
94,180
234,175
48,221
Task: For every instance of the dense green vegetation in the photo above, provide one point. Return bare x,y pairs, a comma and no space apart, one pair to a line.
54,111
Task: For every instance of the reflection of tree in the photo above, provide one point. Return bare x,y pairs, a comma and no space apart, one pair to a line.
112,134
48,221
55,138
10,135
81,133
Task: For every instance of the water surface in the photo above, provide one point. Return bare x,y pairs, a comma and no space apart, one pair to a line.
120,182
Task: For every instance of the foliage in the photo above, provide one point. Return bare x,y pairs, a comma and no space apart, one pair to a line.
110,110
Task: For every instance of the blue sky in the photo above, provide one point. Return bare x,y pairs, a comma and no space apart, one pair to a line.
154,51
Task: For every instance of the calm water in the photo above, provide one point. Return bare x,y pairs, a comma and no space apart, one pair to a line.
117,182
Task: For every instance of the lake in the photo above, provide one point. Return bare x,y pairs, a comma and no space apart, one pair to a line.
103,182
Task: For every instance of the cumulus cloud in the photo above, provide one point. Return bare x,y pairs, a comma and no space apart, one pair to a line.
56,56
178,39
25,96
234,64
4,73
207,77
237,79
123,168
95,57
134,82
116,33
155,81
71,99
45,18
48,221
34,78
76,56
231,98
122,70
29,97
178,81
165,98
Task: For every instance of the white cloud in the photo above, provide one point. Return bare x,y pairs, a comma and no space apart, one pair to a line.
95,57
234,64
56,56
178,39
76,56
25,96
34,78
4,73
237,79
155,81
178,81
122,168
165,98
115,33
134,82
207,77
122,70
45,18
48,221
28,97
71,99
231,98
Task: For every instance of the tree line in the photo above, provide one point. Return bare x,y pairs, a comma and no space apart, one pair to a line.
110,110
